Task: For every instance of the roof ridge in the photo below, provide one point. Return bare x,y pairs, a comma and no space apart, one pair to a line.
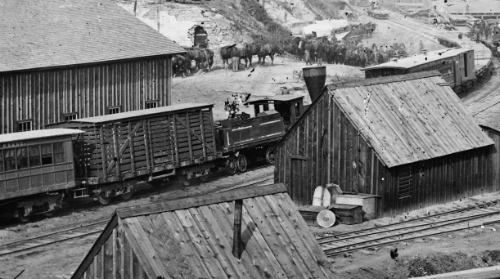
380,80
189,202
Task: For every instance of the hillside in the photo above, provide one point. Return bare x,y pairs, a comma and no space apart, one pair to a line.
231,21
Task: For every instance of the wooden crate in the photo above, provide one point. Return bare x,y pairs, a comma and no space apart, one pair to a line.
309,214
347,214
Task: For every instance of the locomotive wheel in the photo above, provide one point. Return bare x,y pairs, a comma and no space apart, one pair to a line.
242,163
128,195
231,165
103,200
269,156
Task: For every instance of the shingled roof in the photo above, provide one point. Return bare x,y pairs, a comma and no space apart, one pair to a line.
55,33
409,118
192,238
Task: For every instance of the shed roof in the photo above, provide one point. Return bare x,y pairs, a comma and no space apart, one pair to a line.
38,134
419,59
406,118
192,237
411,118
276,98
55,33
141,113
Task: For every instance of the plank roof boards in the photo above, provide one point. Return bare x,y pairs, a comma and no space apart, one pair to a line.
38,134
419,59
56,33
409,118
142,113
192,238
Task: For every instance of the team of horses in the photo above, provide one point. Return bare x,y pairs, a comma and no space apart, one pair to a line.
247,51
203,58
349,52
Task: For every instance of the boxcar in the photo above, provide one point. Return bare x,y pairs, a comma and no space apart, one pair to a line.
455,65
35,167
117,151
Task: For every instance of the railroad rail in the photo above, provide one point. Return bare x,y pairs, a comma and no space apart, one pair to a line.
87,230
445,222
52,238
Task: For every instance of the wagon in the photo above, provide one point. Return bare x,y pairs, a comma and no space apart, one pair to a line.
378,14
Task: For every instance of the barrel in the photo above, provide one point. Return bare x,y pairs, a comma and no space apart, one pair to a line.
315,78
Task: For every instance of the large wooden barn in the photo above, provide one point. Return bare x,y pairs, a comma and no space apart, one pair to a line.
407,139
67,59
194,238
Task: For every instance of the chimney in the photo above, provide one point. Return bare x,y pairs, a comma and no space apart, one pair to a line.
315,78
238,211
424,51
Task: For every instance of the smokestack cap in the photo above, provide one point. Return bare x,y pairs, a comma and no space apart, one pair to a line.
315,78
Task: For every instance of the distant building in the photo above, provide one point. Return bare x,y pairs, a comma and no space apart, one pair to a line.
67,59
193,238
407,139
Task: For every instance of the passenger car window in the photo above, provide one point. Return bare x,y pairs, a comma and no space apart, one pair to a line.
22,158
10,159
58,152
34,152
47,154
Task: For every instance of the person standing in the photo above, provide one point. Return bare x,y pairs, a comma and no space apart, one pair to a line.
320,52
235,57
307,55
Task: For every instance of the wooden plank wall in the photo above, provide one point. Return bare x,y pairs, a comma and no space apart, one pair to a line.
442,180
334,152
44,96
142,146
115,259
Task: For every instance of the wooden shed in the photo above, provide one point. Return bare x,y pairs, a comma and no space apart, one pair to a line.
67,59
405,138
193,238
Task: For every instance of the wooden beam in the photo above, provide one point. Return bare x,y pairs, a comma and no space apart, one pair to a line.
238,210
103,155
171,205
80,271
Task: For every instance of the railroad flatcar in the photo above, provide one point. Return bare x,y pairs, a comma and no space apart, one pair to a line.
456,67
35,169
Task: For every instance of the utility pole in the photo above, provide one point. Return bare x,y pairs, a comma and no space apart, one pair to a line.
135,8
158,18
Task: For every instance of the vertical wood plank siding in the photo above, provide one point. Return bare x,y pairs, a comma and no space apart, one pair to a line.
115,259
45,96
339,154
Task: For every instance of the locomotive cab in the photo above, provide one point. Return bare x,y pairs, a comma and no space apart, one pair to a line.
246,139
290,107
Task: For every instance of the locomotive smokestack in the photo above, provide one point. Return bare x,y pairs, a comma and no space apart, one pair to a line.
315,78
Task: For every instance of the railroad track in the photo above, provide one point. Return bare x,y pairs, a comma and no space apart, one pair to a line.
446,222
88,230
55,237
